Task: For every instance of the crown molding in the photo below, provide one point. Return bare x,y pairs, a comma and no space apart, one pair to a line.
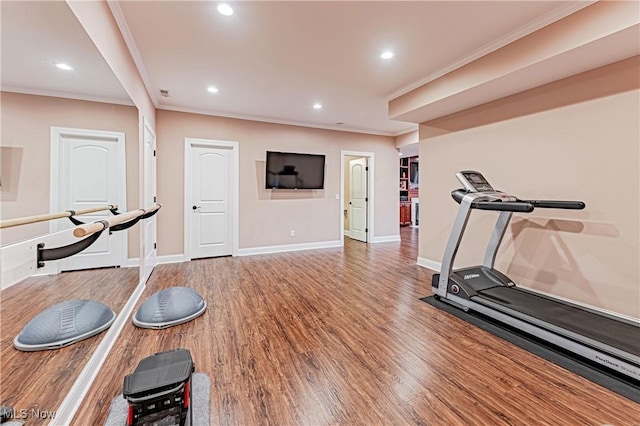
285,122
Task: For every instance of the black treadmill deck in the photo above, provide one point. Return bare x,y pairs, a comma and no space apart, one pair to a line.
614,333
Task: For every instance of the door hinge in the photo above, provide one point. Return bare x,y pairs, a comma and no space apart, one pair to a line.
154,152
155,246
366,199
366,169
366,229
155,199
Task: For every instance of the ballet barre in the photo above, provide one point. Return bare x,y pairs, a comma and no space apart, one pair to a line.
101,225
8,223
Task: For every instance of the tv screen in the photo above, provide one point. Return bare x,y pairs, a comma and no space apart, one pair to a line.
288,170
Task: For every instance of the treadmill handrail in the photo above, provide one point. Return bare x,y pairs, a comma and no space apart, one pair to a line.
557,204
504,206
493,199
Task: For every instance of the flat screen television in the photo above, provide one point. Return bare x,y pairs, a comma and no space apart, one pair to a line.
289,170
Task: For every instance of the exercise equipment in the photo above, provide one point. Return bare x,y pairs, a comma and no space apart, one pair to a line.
8,223
606,340
71,321
169,307
63,324
92,231
159,390
131,218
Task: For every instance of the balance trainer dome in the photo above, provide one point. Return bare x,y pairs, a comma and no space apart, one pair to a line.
63,324
169,307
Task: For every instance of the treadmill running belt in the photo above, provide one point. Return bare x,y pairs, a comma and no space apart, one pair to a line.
617,334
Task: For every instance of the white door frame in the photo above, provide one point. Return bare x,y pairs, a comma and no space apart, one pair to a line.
148,162
211,143
370,189
54,189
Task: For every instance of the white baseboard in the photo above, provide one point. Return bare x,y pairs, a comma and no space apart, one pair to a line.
386,239
133,262
172,258
178,258
430,264
288,247
347,233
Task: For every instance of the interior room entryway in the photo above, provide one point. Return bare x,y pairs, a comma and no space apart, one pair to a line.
356,219
211,198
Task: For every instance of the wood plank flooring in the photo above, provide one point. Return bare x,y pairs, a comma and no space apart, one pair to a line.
338,336
39,381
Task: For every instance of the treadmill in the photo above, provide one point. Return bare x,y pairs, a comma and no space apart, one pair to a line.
606,340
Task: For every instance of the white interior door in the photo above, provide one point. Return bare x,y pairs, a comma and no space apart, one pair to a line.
88,170
149,246
358,199
211,204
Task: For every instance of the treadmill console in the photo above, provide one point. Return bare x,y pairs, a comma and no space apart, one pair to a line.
474,181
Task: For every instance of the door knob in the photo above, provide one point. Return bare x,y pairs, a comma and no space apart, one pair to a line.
195,207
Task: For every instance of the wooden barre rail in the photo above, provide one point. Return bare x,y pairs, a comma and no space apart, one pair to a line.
90,228
8,223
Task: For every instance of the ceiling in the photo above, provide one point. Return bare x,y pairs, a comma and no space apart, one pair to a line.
271,61
35,35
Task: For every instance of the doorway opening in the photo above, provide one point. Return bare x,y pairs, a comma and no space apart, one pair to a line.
357,190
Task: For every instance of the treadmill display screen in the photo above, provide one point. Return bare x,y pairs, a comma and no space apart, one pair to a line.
477,179
477,182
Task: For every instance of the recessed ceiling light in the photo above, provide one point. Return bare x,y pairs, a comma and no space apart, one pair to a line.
225,9
212,89
64,66
399,153
317,106
386,55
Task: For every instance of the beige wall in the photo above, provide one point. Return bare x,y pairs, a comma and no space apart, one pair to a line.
267,216
26,133
574,139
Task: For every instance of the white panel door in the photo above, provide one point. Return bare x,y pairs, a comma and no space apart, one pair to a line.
211,192
91,172
149,249
358,199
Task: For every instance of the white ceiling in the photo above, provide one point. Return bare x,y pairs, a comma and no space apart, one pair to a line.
270,60
35,35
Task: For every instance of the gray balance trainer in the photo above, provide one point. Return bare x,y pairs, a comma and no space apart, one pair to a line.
63,324
169,307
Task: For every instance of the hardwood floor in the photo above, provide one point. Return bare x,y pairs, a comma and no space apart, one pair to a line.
339,336
37,382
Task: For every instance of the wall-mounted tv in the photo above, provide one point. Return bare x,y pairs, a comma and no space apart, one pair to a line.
289,170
